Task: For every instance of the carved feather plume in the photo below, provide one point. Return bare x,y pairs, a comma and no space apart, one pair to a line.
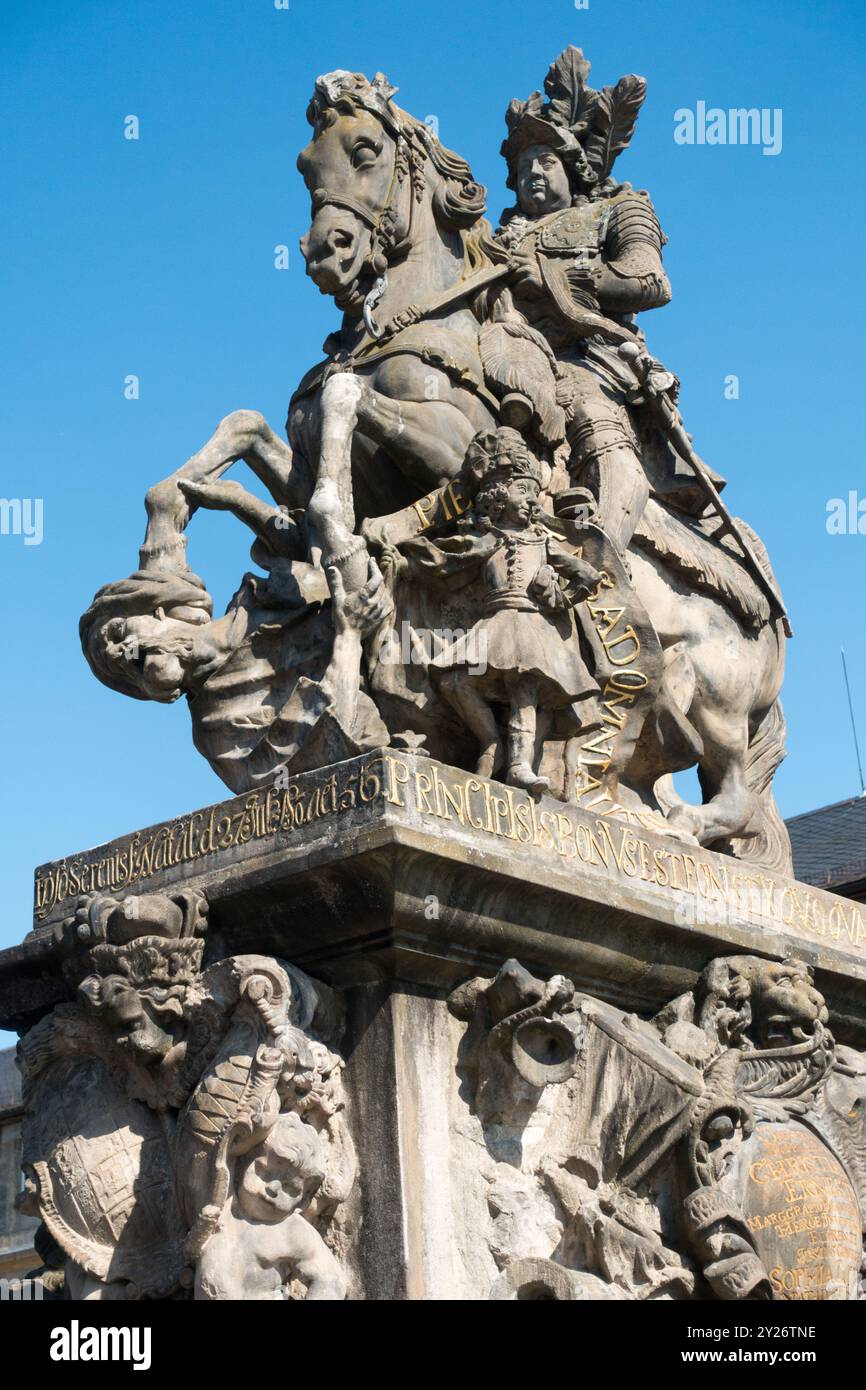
613,121
714,566
565,85
517,109
516,358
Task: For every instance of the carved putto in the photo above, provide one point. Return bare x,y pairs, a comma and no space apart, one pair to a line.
218,1159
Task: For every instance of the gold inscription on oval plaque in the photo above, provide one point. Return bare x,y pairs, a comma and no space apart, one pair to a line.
802,1213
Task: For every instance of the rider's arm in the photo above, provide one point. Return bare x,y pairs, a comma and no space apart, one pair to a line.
632,277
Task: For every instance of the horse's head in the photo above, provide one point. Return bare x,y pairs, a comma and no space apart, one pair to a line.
372,171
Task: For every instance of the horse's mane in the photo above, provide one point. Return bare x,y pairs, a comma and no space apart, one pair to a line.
459,202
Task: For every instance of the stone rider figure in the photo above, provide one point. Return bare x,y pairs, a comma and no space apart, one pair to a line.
587,253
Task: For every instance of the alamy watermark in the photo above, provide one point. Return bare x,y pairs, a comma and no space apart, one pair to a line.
21,1290
22,516
77,1343
739,125
846,516
412,646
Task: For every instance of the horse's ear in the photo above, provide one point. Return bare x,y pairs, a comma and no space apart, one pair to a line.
383,88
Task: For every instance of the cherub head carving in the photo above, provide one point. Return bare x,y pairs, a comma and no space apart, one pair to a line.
284,1173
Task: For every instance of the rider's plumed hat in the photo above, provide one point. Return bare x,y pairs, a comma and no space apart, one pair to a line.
586,128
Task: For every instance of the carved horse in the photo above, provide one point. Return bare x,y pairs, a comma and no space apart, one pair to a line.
398,240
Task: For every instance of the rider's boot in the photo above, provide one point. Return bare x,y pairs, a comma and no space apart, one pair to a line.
621,488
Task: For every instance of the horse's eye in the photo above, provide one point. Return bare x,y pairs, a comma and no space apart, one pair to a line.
341,240
364,154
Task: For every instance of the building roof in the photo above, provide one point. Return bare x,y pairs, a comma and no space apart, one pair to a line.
830,844
10,1080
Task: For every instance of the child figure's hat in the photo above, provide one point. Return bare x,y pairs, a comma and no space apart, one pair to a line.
499,455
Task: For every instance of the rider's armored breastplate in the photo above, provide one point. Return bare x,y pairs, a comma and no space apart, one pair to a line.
566,246
580,228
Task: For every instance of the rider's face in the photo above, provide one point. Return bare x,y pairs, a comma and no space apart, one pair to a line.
542,183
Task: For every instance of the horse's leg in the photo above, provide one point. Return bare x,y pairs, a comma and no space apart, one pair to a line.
669,741
729,805
279,532
243,435
426,440
331,510
420,419
246,435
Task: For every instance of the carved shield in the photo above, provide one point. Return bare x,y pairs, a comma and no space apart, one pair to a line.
103,1167
801,1211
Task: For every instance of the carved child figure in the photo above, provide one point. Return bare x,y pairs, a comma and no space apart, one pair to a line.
523,653
263,1241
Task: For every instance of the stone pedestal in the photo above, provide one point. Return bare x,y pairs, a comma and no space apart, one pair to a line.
512,1134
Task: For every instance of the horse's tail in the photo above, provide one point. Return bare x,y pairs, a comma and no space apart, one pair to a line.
768,844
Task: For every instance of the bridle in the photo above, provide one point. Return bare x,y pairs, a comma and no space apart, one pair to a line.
409,155
384,246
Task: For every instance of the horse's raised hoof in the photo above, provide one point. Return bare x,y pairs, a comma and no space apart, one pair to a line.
216,496
684,823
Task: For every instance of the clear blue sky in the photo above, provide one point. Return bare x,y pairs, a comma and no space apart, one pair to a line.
156,258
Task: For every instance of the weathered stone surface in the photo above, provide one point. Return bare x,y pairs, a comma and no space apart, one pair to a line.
489,536
563,1035
428,873
184,1128
474,1119
686,1156
802,1209
16,1229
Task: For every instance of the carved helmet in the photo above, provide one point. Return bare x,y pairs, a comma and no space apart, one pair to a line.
586,128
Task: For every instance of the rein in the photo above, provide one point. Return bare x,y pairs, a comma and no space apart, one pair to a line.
415,313
384,246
